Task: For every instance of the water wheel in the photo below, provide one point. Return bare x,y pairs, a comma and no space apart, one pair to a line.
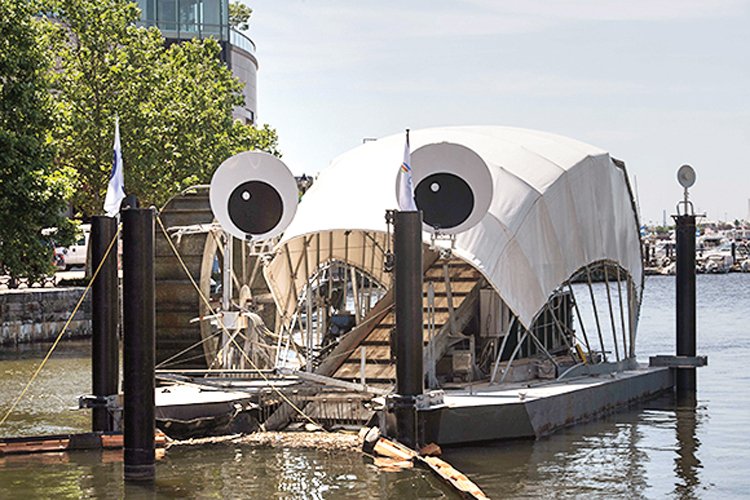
186,337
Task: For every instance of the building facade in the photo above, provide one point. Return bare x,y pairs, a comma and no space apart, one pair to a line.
181,20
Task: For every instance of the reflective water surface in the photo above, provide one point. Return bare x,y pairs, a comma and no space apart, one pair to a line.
654,451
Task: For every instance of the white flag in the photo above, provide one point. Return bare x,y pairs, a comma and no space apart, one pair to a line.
115,189
405,183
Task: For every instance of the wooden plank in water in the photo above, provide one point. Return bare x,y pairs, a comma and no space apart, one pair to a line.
67,442
456,479
394,450
43,446
400,453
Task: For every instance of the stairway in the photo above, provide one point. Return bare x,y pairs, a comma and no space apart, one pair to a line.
380,366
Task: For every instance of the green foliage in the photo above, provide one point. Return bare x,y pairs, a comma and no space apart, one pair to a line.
175,104
239,15
32,191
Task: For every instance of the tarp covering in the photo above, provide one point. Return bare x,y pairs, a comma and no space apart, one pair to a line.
558,205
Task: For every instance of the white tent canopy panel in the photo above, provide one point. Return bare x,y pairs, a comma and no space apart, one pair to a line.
558,205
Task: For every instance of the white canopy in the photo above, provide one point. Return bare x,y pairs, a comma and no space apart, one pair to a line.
558,205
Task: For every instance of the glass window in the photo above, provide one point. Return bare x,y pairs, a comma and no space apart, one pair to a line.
190,15
212,17
148,10
176,18
167,14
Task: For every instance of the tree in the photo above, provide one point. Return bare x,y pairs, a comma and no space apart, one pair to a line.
32,191
175,104
185,129
239,15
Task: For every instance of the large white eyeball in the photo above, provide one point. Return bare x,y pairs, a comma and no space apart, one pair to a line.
452,187
253,195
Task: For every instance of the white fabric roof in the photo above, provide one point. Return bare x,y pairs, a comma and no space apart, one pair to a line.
558,205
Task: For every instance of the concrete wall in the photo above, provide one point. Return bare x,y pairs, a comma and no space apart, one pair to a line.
245,68
39,314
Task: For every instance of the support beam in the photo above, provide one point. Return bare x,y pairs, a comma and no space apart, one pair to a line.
625,348
686,341
611,314
138,342
105,348
409,324
580,319
596,314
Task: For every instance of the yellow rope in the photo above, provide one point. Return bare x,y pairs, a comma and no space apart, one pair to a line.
64,329
186,350
168,362
224,329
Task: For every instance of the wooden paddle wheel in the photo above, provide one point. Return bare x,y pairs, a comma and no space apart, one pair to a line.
188,334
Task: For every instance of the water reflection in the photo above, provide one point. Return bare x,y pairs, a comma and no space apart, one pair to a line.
627,455
658,450
687,464
221,471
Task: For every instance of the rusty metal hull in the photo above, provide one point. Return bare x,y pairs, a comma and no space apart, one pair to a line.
487,413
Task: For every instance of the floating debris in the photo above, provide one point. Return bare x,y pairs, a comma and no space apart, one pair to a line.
324,441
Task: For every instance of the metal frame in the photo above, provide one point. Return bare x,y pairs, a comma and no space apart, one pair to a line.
586,317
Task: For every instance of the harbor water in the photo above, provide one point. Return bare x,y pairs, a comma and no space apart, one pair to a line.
656,450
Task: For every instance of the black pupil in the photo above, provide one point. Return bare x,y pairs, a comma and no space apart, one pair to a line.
255,207
446,200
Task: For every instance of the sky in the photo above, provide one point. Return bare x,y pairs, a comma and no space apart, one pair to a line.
657,83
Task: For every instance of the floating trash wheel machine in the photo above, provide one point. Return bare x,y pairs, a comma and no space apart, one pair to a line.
532,268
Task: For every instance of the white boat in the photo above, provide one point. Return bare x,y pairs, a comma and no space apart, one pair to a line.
717,263
184,411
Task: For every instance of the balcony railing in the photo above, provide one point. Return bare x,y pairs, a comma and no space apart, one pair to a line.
242,41
183,31
188,30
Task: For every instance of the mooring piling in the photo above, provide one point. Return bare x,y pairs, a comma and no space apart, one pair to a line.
685,361
138,342
407,246
104,321
685,378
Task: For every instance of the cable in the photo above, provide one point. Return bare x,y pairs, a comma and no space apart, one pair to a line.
221,324
186,350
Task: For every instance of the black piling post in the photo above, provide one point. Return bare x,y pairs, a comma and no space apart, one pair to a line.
138,342
407,236
686,323
104,318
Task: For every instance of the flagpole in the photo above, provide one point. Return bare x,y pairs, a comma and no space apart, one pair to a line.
115,187
404,181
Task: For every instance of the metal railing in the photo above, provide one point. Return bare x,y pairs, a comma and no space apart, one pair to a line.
242,41
180,31
186,30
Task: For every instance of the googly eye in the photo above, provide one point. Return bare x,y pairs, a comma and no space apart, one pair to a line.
253,195
452,186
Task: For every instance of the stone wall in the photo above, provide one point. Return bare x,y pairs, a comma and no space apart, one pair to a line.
39,314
